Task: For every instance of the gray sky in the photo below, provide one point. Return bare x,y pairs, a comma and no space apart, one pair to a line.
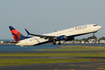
44,16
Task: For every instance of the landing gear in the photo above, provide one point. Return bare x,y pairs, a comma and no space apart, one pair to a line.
59,43
93,34
54,43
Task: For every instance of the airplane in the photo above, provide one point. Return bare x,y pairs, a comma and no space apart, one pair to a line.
66,35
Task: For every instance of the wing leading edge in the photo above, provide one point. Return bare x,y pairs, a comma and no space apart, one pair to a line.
41,36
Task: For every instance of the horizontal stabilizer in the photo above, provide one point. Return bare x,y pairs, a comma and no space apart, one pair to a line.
13,42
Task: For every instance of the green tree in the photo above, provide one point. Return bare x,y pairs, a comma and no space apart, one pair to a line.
76,40
92,37
84,39
102,38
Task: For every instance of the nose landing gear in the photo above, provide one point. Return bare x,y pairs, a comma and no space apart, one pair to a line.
93,34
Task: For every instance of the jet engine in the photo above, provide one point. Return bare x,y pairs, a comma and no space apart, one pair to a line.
62,37
69,38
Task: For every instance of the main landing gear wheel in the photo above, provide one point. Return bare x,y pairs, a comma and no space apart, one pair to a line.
54,43
59,43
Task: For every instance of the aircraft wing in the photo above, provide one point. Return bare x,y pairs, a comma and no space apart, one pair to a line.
42,36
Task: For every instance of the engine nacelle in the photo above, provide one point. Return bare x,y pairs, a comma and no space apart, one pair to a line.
63,37
69,38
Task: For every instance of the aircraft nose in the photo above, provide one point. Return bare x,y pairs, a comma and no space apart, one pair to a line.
100,27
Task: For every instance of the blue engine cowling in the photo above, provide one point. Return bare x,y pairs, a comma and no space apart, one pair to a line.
62,37
69,38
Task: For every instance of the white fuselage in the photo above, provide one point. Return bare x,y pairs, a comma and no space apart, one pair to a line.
76,31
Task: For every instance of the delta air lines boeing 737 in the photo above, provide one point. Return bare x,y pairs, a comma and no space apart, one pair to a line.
67,35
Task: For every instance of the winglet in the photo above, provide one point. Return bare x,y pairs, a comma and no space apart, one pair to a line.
27,31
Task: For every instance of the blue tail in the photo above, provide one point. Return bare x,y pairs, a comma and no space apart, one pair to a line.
16,34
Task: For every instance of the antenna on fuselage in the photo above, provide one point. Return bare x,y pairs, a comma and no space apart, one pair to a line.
56,30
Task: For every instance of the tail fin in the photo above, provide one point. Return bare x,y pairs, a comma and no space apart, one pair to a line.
16,34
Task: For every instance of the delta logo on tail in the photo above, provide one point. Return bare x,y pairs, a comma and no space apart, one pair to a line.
16,34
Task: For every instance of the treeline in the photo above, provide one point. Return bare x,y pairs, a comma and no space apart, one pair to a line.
92,37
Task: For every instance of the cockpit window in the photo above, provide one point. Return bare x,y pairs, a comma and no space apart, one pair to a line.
94,25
